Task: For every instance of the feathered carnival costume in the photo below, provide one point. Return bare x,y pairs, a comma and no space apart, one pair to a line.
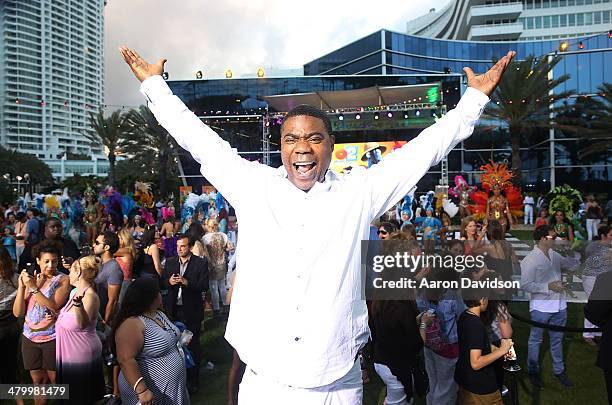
496,176
462,191
565,198
428,225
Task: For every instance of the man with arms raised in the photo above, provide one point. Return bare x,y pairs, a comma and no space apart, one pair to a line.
306,353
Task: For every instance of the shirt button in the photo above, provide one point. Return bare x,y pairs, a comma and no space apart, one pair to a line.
297,339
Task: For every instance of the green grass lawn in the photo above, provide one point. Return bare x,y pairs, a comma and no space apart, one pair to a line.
588,380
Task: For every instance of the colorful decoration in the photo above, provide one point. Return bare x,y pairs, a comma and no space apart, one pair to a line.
566,199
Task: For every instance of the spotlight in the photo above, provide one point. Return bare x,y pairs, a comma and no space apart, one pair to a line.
610,34
390,114
417,113
199,74
228,74
564,46
165,75
580,45
405,115
357,116
433,112
376,116
260,72
447,70
341,117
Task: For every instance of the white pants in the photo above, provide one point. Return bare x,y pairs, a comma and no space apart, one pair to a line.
588,282
528,218
441,373
217,287
591,226
395,389
258,390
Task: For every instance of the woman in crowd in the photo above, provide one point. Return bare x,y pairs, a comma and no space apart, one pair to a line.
9,243
396,339
562,226
385,229
594,214
168,235
474,372
79,350
471,235
20,232
39,297
148,262
542,218
500,256
187,224
125,257
445,306
222,218
9,327
152,368
195,234
217,245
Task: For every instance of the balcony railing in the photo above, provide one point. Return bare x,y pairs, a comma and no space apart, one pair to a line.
506,31
479,14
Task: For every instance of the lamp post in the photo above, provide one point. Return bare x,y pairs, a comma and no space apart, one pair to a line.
18,181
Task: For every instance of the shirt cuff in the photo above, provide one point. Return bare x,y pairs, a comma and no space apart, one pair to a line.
154,87
479,96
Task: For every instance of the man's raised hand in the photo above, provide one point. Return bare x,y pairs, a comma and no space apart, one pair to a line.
487,82
141,68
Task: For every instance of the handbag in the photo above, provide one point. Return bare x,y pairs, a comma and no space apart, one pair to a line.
420,379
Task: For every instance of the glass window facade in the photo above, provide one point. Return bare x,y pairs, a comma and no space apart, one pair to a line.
405,60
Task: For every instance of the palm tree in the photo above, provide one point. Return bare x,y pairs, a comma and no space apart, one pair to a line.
149,138
111,133
524,100
596,117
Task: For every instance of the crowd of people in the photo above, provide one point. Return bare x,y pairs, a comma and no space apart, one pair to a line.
121,304
128,299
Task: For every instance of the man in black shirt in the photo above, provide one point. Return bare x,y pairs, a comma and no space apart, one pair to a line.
53,230
474,371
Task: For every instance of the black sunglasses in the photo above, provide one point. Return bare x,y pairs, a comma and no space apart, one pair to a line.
382,232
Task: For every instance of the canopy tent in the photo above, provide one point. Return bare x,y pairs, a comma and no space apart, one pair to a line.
370,96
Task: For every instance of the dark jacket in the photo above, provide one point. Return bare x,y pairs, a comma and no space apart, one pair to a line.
69,249
599,311
197,283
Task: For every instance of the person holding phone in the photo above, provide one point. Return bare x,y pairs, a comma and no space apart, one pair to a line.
39,298
475,372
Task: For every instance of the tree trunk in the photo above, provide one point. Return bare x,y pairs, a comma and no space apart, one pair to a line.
515,140
163,174
111,169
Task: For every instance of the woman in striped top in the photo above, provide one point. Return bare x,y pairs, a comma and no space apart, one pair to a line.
146,345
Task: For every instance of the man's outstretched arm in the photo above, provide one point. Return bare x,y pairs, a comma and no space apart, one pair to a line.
391,179
227,171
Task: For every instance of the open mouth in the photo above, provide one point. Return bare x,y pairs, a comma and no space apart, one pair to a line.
304,169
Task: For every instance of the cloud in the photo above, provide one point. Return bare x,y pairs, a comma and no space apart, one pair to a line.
241,35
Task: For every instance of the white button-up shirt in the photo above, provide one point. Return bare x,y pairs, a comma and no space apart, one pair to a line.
297,313
537,271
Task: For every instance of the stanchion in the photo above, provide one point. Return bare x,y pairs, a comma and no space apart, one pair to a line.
512,368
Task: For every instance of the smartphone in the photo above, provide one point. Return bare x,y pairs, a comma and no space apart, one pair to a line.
30,268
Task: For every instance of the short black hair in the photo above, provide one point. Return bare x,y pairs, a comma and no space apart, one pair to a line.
182,236
603,230
540,232
112,240
310,111
20,215
47,246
